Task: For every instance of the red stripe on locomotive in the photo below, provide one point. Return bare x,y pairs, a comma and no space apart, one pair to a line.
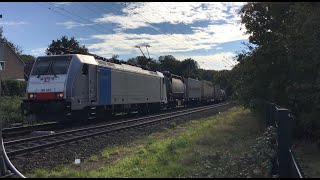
46,96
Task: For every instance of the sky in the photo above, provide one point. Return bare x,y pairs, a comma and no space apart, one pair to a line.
208,32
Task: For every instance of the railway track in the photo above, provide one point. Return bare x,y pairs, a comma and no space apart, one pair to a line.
23,130
13,132
27,145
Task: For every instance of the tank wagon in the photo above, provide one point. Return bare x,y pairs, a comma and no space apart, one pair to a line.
176,90
75,86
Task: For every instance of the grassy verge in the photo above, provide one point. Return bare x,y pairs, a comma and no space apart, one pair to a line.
230,144
309,156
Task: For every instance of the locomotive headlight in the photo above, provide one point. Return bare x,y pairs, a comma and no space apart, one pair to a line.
31,95
60,95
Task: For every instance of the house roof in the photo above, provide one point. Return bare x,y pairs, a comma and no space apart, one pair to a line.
15,53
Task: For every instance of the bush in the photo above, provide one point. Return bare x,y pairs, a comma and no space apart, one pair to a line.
13,88
309,123
10,111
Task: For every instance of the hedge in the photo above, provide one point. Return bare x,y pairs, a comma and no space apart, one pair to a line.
13,88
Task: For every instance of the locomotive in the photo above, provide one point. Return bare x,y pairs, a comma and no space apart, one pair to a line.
72,86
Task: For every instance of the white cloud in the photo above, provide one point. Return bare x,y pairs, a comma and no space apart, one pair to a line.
11,23
39,51
201,39
142,14
61,3
223,32
83,39
223,27
71,24
218,61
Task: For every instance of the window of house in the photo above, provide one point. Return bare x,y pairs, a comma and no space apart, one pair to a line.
2,65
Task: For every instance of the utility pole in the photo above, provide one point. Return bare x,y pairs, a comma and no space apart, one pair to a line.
147,50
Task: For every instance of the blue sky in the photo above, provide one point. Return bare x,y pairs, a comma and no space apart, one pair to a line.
208,32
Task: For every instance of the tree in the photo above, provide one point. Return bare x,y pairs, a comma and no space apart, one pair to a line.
170,63
66,46
17,49
150,64
284,65
115,57
27,58
189,68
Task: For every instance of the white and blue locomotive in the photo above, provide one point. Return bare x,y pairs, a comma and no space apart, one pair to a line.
73,86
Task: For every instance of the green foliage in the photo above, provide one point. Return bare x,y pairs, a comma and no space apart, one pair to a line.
13,87
10,111
65,46
282,62
94,158
170,63
27,58
226,145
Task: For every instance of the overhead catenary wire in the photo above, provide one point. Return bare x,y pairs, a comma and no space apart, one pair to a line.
51,9
116,18
112,31
168,21
83,4
182,21
91,22
175,28
175,16
87,21
157,27
146,20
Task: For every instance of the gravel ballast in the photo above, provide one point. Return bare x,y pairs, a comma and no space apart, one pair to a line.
67,153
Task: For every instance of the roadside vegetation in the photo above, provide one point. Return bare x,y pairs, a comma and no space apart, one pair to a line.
10,111
12,93
308,155
230,144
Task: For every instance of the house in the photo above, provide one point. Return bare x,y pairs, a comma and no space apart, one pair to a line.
11,65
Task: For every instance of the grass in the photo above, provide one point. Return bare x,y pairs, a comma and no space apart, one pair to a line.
94,158
210,147
309,156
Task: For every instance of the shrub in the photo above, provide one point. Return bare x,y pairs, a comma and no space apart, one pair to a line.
13,88
10,111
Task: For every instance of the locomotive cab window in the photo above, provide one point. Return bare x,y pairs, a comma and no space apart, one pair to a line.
51,65
85,69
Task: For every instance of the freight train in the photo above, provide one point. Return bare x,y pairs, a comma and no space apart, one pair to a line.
67,87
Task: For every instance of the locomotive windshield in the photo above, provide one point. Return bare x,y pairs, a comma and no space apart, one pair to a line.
51,65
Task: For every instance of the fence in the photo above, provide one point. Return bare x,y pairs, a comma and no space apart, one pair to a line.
6,167
281,118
